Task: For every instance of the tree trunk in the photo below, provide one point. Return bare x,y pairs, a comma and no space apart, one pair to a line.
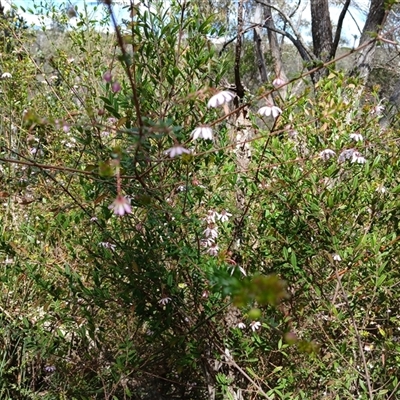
376,18
321,27
274,45
258,46
238,53
392,107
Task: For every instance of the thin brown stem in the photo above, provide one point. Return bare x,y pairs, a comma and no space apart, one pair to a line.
357,333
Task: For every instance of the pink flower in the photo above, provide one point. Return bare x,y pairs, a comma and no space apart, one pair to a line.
121,206
278,82
116,87
164,301
352,154
107,76
207,242
211,232
213,250
346,155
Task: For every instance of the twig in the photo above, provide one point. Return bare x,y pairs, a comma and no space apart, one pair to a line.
231,361
339,29
289,22
358,337
127,67
238,51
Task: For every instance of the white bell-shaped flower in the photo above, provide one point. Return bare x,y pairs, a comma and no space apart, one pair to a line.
221,98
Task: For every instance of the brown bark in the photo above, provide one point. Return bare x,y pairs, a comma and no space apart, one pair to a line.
376,18
274,44
262,69
339,29
238,51
321,27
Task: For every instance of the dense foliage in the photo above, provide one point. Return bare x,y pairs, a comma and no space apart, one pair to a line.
163,239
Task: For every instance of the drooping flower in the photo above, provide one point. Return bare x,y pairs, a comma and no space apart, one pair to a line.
358,158
177,151
377,110
241,325
33,150
121,206
49,368
112,120
270,110
221,98
227,355
108,245
381,189
346,155
278,82
255,325
6,75
213,250
326,154
224,216
368,347
357,137
211,231
116,87
241,269
207,242
202,132
164,301
107,76
353,155
336,257
210,217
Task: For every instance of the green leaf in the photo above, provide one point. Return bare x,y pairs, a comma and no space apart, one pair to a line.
285,252
293,259
380,280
